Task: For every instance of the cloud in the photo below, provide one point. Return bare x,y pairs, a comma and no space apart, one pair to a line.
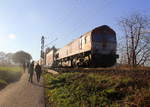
12,36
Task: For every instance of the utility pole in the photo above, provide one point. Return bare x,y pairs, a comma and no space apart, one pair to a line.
42,46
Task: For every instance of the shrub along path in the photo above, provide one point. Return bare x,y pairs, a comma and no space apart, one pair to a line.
23,94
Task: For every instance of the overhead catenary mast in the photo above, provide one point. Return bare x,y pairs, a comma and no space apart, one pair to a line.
42,47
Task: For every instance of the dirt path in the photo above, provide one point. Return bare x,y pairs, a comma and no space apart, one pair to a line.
23,94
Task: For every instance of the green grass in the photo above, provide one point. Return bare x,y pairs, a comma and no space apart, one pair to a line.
95,90
14,69
3,83
9,75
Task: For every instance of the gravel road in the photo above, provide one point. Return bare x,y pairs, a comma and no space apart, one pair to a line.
23,94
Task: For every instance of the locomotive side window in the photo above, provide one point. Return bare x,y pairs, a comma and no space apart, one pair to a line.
67,52
80,44
85,40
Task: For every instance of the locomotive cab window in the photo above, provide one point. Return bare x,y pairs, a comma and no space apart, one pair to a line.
97,38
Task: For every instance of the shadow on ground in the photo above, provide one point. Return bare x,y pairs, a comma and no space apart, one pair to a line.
40,85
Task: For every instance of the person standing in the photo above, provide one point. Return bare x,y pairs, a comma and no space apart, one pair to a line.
31,71
28,65
24,66
38,71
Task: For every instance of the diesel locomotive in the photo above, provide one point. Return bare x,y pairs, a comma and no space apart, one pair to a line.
96,48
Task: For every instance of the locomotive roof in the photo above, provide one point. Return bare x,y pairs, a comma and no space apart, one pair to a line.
104,29
101,29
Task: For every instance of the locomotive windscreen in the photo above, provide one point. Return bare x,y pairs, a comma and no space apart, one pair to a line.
103,34
104,40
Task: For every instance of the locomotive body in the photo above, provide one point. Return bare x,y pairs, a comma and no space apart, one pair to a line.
50,58
96,48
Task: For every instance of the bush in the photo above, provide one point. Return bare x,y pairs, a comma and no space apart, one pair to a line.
91,89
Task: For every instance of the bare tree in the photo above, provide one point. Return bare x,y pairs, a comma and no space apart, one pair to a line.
137,39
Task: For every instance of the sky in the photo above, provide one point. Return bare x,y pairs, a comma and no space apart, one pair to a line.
23,22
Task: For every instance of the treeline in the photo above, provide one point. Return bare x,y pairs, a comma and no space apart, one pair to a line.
6,58
18,58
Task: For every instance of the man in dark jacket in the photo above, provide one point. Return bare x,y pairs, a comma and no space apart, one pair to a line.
38,71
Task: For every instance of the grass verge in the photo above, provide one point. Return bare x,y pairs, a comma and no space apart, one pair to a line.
98,89
9,75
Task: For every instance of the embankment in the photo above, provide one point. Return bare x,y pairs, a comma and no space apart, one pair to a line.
113,89
9,75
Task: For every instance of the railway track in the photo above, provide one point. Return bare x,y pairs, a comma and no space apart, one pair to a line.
99,70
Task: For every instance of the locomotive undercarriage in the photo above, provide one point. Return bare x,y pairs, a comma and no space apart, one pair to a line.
78,60
86,59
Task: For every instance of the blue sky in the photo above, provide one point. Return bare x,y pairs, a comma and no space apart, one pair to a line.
23,22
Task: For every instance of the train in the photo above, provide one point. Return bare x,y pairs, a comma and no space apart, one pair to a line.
96,48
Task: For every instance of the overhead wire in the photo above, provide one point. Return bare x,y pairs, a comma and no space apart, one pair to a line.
85,18
53,33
